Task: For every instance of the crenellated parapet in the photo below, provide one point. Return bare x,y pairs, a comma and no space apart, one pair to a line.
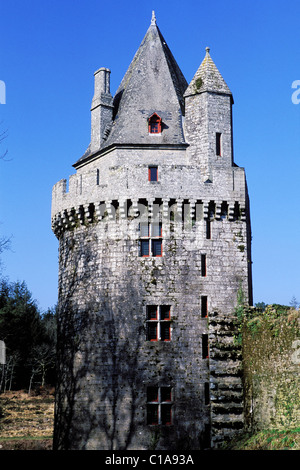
87,198
170,210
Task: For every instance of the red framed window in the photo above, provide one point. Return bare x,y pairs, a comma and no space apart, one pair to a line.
159,406
154,124
205,349
204,310
158,322
151,239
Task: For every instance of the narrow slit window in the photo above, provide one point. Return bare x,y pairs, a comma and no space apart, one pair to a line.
203,265
98,178
203,306
208,229
204,346
218,144
206,393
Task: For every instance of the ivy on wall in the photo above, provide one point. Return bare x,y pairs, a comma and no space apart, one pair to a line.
270,338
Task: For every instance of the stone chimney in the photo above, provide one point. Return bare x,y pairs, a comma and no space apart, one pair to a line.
101,109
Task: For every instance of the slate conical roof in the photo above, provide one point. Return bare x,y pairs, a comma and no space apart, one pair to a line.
153,83
207,78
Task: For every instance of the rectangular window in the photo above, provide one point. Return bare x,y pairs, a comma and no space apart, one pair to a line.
203,265
156,247
153,173
208,229
98,177
204,346
145,248
152,414
218,144
206,393
203,306
151,239
159,406
158,318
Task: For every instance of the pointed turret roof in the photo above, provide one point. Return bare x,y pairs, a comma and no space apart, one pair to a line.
153,83
207,78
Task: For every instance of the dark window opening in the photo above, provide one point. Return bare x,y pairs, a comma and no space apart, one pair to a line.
203,265
145,248
98,177
208,229
224,210
152,394
153,173
218,144
206,393
151,239
166,414
158,322
165,312
165,334
155,124
152,414
157,247
203,306
152,331
159,406
152,312
204,346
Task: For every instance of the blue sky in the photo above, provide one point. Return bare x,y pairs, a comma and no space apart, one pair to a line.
49,52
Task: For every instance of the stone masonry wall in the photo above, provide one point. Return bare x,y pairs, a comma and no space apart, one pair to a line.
104,288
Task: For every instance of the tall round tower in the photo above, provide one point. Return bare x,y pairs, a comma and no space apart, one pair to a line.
154,246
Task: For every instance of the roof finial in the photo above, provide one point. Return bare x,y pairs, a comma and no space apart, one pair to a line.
153,19
207,50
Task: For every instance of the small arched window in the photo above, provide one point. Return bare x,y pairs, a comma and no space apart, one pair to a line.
154,124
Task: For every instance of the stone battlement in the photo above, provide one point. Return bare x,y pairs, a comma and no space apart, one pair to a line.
88,196
169,210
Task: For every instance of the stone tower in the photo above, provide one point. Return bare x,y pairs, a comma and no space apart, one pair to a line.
154,246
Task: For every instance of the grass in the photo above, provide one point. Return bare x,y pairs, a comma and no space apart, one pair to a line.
26,421
271,439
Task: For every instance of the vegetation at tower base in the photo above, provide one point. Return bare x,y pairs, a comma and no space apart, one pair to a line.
271,345
30,339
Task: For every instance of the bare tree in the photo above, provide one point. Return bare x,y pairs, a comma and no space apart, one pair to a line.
3,135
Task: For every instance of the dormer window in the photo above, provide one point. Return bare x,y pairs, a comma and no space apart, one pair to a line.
154,124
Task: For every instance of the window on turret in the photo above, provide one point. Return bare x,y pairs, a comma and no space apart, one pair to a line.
154,124
159,405
158,322
218,144
150,239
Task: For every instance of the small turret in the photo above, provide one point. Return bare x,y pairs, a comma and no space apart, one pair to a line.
208,119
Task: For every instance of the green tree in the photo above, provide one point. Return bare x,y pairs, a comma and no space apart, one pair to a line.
23,328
